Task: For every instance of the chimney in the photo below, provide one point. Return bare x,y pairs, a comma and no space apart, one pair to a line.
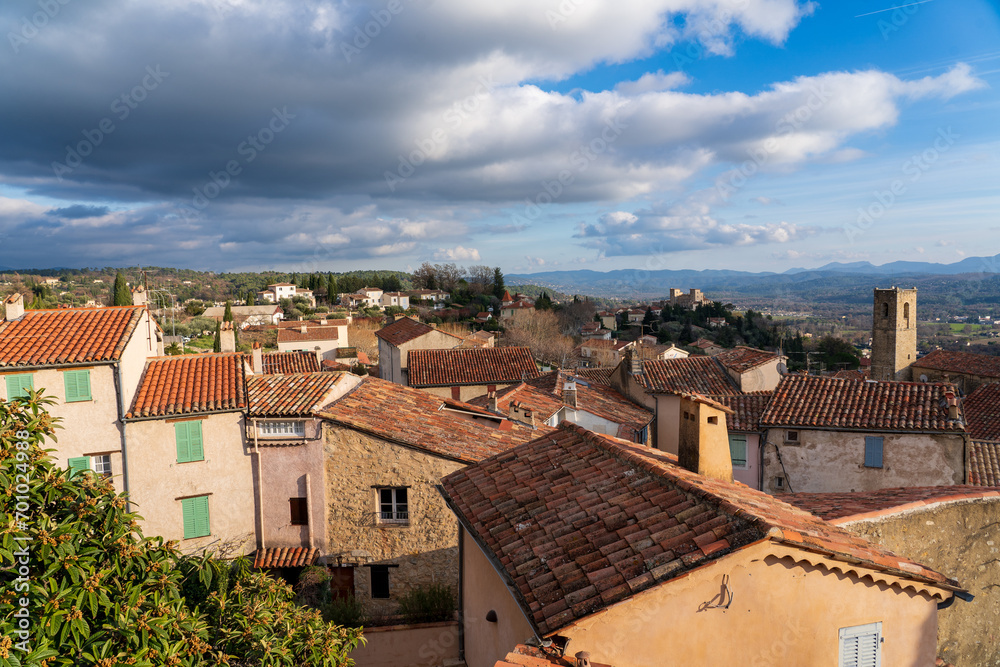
14,307
139,296
227,337
703,445
569,394
520,413
258,359
633,362
583,659
304,328
952,403
492,396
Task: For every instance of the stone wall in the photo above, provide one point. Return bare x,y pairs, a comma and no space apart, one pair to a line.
962,541
425,549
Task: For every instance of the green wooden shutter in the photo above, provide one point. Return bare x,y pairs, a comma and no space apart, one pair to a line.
183,442
194,437
18,386
196,523
78,465
77,386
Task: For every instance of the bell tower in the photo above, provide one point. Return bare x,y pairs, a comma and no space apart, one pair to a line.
894,333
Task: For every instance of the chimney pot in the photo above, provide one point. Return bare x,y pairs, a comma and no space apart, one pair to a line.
14,307
569,394
493,401
583,659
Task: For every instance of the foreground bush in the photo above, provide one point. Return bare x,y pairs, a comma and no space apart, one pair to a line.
427,605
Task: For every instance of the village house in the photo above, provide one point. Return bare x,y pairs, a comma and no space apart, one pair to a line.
483,317
585,542
609,320
558,396
707,347
355,300
398,299
248,316
432,295
482,338
283,363
90,360
966,370
398,338
752,369
511,310
275,292
832,435
386,447
744,429
322,339
372,296
464,373
652,351
189,464
594,331
601,352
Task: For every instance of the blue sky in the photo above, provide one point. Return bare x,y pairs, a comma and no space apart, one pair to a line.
744,134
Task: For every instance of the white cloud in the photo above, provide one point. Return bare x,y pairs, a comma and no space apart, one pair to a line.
458,254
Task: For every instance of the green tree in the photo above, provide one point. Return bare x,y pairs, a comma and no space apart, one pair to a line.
687,334
331,288
498,285
217,344
251,298
228,315
120,293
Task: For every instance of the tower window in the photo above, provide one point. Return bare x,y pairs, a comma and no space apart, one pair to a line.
885,310
906,314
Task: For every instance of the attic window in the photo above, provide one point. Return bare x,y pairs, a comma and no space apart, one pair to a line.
713,420
791,436
779,482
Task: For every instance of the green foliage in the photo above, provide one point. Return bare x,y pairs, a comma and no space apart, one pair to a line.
348,612
427,605
251,298
194,308
120,293
837,354
543,302
217,343
394,310
100,594
173,349
687,334
228,315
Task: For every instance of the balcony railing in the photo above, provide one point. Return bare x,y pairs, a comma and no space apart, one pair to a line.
394,517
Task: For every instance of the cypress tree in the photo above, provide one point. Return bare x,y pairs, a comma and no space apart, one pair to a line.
120,294
331,289
251,298
217,345
228,315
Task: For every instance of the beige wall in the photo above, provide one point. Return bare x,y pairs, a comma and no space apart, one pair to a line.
432,340
140,347
426,549
782,613
750,475
833,461
760,378
704,442
668,422
326,349
424,645
157,482
466,392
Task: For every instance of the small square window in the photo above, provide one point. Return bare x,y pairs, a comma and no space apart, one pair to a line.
299,511
393,506
102,465
18,386
77,385
713,420
779,482
791,436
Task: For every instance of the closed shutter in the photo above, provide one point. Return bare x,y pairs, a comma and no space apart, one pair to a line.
738,450
18,386
860,646
78,465
873,451
77,386
196,522
189,442
194,437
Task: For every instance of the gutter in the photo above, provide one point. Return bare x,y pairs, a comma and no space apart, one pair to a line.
119,390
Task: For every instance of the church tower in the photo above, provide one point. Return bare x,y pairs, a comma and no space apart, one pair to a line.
894,333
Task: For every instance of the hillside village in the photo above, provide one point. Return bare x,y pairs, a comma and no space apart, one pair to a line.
606,487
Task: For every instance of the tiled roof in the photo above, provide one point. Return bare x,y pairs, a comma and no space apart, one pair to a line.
416,418
747,409
294,557
531,656
982,412
824,402
967,363
702,375
580,521
740,359
543,404
289,395
298,361
68,336
518,305
984,463
596,375
483,365
851,375
704,344
220,311
403,330
297,324
293,335
843,507
190,384
595,398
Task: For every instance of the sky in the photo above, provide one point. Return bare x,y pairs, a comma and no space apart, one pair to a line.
534,135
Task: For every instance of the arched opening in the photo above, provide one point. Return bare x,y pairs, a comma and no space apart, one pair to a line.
906,314
885,310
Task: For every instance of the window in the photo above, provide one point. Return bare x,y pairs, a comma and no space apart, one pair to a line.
78,465
102,465
77,384
196,522
873,451
392,505
189,442
861,646
906,314
713,420
380,581
779,482
643,435
738,451
18,386
289,428
792,436
885,310
299,510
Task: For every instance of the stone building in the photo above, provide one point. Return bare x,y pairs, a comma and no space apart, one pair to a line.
967,370
689,300
398,338
894,333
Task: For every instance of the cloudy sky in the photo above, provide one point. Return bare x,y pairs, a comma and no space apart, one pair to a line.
530,134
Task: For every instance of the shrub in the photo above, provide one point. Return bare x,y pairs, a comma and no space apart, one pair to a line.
426,605
347,612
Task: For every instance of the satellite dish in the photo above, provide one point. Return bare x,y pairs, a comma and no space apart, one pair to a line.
782,368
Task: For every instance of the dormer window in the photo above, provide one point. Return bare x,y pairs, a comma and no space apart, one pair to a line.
283,429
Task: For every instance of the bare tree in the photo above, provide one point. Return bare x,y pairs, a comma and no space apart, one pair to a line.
480,278
540,331
448,275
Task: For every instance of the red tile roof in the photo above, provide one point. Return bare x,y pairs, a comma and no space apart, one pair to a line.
297,324
293,335
298,361
403,330
844,507
68,336
747,409
965,363
481,365
702,375
851,375
982,412
825,402
190,384
740,359
415,418
294,557
580,521
596,375
531,656
984,463
289,395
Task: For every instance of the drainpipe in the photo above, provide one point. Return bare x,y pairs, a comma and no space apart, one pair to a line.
260,482
309,524
120,391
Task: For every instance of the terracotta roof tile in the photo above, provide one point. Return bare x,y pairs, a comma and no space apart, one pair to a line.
596,375
287,395
841,507
68,336
190,384
801,400
406,329
984,463
418,419
965,363
746,410
740,359
982,412
297,324
293,557
703,375
314,333
298,361
571,492
486,365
